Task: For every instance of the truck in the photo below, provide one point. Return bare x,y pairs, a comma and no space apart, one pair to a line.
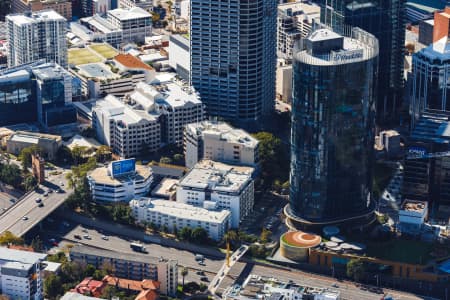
137,247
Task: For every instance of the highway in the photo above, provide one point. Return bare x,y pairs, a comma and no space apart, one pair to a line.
13,218
212,265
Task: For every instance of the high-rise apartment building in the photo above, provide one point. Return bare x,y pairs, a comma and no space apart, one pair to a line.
34,36
332,136
386,21
233,56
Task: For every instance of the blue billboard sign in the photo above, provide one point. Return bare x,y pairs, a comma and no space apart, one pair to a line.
123,166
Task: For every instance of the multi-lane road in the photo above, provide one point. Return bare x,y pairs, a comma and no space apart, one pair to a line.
26,213
213,265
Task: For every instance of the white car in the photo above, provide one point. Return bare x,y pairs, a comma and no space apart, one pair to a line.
104,237
25,218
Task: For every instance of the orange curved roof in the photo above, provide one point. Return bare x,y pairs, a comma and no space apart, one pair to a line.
301,239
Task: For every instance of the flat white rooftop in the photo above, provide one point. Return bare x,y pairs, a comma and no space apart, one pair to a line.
129,14
26,257
220,178
35,17
223,131
101,176
182,210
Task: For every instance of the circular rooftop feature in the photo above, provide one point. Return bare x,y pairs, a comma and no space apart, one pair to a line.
295,245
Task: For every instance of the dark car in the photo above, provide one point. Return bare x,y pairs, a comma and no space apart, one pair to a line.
204,278
77,236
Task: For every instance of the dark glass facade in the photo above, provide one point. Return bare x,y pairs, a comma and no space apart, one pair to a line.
17,103
386,20
332,137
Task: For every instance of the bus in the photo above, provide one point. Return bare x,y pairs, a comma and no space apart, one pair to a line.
137,247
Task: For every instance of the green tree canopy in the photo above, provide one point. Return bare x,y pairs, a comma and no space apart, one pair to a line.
8,238
25,155
356,269
52,286
199,235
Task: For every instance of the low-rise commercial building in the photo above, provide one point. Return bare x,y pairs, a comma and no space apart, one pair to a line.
412,215
21,274
179,215
49,144
121,181
219,141
119,26
166,189
129,132
131,266
62,7
215,185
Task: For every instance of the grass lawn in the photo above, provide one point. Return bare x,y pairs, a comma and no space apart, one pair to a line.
82,56
104,50
408,251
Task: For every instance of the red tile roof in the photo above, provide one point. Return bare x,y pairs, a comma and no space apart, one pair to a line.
134,285
147,295
90,286
129,61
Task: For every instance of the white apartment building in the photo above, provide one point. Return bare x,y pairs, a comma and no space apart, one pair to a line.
294,21
21,274
126,130
168,276
176,103
215,185
144,4
219,141
179,57
37,35
120,25
107,186
172,214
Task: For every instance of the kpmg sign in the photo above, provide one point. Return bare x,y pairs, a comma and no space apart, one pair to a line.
417,151
123,166
346,55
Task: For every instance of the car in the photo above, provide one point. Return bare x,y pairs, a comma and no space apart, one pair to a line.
204,278
66,224
201,263
50,191
41,204
38,200
84,230
46,194
12,200
335,285
200,273
77,236
223,274
87,236
104,237
61,183
25,218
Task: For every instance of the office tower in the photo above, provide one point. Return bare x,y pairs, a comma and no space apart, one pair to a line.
17,104
332,135
233,56
53,89
36,92
295,20
386,21
35,36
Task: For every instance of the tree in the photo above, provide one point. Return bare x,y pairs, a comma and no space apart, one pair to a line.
99,274
64,155
37,244
273,157
10,174
356,269
199,235
185,233
155,17
52,286
79,153
8,238
165,160
25,155
89,271
178,158
103,153
184,273
29,182
265,235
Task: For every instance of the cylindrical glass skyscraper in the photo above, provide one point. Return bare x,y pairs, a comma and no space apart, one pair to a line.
333,124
